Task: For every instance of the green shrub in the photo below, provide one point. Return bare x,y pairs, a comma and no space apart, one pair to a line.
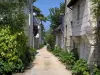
9,51
15,55
65,57
57,50
33,53
41,46
50,39
96,71
70,60
80,68
48,47
75,53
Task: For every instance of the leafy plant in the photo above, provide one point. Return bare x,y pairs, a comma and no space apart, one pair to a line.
75,53
41,46
80,68
9,51
50,40
96,70
54,16
33,53
65,57
57,50
15,55
70,60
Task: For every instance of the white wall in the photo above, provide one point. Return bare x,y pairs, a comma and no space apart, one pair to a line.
81,30
60,40
81,26
67,27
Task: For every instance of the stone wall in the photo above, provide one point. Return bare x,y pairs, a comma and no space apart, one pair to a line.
60,39
67,27
79,32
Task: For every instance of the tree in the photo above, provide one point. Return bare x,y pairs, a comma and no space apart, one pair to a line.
50,39
12,13
40,16
54,16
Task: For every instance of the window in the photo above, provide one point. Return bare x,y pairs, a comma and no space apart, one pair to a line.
78,12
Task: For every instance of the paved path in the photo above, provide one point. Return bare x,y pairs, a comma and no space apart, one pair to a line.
46,64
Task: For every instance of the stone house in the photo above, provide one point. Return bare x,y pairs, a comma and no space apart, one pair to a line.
59,37
59,33
79,29
33,26
28,10
37,29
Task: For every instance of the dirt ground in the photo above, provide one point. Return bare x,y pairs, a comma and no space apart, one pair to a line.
46,64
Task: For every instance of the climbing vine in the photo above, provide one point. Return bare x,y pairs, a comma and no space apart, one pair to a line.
96,14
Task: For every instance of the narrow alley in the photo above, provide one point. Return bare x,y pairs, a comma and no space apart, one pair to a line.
46,64
49,37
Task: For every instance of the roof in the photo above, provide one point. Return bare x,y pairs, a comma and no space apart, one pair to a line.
36,21
71,3
58,28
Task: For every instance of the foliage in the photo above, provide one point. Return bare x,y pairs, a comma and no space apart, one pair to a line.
41,46
50,40
96,8
10,51
72,62
96,70
32,53
15,54
42,31
80,68
75,53
12,13
37,10
48,47
54,16
68,58
39,15
57,50
96,14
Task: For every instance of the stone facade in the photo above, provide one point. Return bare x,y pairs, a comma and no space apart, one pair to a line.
59,33
33,41
79,29
37,38
59,39
28,10
67,26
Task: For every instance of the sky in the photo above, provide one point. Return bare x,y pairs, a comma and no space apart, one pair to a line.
45,5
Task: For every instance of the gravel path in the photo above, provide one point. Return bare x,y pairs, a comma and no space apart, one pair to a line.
46,64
